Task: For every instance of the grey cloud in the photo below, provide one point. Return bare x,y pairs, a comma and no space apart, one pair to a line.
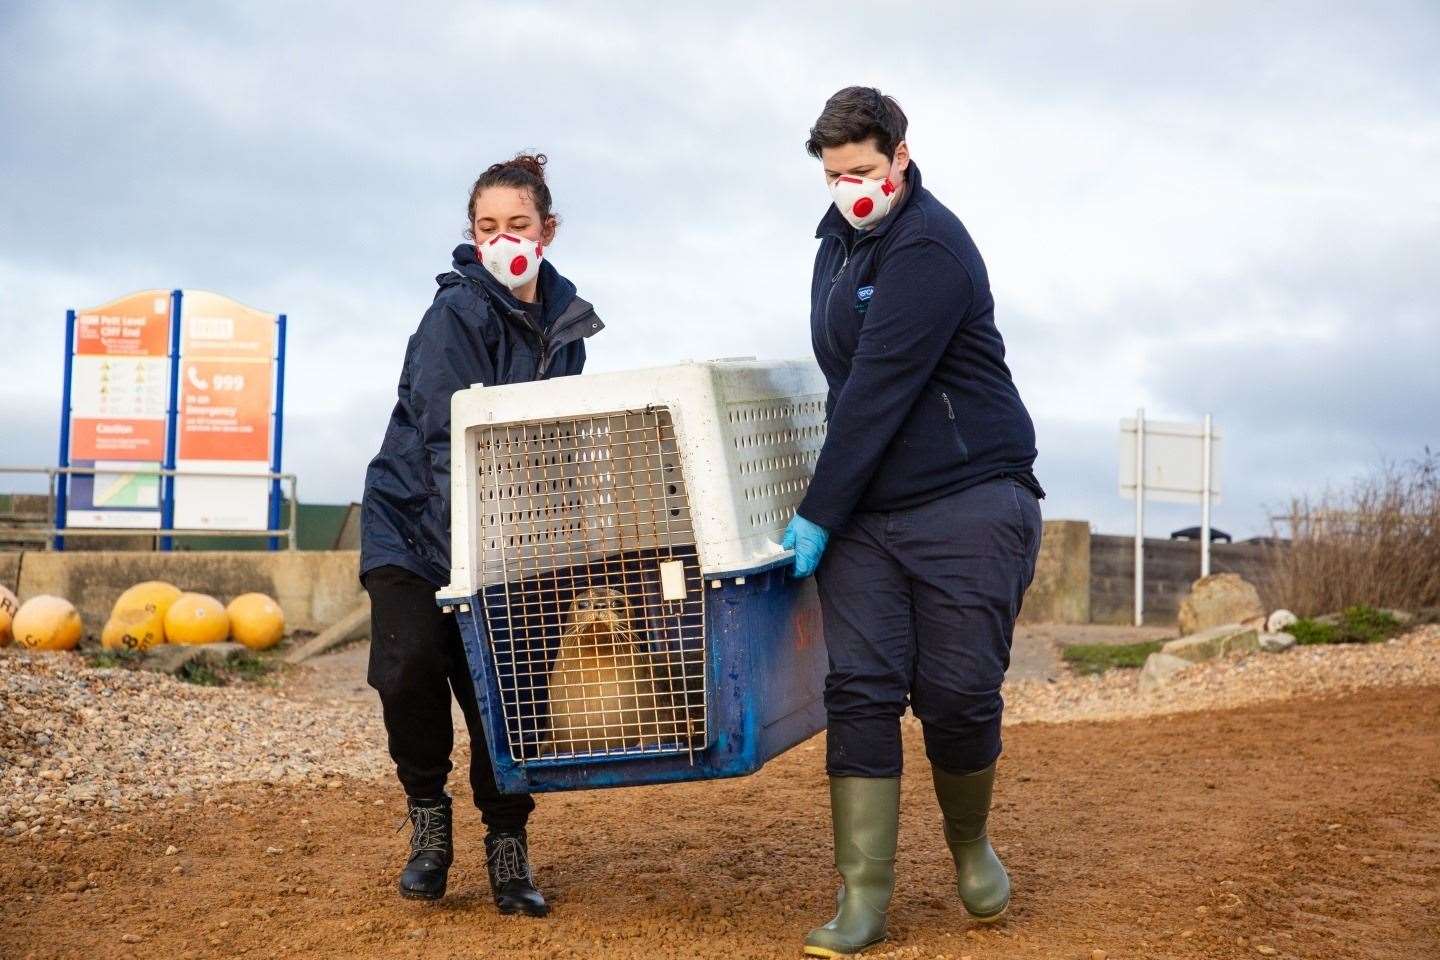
1144,180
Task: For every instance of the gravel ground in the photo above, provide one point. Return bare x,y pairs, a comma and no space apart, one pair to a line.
1411,660
74,739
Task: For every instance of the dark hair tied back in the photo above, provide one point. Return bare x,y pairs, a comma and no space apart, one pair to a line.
525,172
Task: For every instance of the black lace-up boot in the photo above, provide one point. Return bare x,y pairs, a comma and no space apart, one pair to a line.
507,857
432,849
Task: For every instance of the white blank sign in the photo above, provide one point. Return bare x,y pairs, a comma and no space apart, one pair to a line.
222,503
1173,457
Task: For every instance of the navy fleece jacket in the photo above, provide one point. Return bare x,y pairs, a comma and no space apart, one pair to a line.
921,403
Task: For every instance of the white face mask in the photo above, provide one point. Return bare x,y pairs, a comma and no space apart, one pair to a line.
512,260
862,202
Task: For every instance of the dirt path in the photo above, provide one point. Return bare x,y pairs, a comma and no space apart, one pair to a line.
1309,827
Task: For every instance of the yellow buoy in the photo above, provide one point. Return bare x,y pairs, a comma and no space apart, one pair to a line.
196,618
256,621
136,628
47,623
152,595
8,606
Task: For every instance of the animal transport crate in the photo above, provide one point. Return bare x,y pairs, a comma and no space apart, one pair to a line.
627,612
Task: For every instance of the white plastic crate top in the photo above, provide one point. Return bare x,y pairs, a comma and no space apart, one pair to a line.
713,456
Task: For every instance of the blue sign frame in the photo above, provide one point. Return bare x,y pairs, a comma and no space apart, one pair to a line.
172,415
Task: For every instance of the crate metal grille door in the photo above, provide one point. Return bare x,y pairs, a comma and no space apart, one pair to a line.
593,599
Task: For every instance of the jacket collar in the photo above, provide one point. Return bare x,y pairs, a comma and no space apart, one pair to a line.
834,224
556,292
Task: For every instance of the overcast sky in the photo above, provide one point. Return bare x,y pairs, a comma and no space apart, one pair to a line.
1232,208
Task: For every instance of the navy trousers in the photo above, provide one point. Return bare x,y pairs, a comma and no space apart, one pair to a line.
919,609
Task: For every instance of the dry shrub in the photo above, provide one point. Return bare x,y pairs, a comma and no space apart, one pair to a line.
1376,542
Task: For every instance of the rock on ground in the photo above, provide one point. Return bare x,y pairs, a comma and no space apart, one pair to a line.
1279,620
1212,643
1160,667
1276,642
1218,599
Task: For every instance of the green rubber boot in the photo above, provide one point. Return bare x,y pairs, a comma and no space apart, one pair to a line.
965,802
865,814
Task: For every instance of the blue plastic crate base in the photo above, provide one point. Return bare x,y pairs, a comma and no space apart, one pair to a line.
755,689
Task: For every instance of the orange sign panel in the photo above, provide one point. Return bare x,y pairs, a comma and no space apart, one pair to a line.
116,439
133,326
118,393
226,385
225,410
216,326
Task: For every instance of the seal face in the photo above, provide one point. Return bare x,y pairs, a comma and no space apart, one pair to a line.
602,689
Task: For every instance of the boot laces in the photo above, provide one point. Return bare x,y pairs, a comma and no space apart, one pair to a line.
429,834
508,859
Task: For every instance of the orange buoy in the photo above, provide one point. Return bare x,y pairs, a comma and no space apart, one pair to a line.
153,595
196,618
135,628
47,623
256,621
8,608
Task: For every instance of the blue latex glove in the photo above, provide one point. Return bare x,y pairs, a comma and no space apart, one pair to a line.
808,541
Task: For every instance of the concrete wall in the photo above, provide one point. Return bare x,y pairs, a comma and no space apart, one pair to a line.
1079,578
1060,592
314,588
1171,566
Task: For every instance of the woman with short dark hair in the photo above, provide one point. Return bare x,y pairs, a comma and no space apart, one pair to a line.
502,314
923,507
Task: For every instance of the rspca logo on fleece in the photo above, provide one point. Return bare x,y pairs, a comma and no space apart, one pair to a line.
862,298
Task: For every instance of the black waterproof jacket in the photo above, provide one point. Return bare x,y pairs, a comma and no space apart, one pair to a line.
473,333
921,402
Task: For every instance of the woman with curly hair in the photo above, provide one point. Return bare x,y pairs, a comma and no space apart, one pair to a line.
502,314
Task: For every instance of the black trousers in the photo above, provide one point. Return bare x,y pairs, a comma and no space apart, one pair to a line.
919,608
416,662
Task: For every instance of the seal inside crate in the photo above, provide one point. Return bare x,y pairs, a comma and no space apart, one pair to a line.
594,603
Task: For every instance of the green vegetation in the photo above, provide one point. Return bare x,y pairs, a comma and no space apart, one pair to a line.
1357,624
244,668
200,674
101,658
1089,658
251,668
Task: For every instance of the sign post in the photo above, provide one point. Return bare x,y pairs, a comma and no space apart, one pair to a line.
64,484
175,380
1140,517
1205,445
1175,462
167,516
279,434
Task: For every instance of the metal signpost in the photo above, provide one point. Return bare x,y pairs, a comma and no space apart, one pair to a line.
1174,462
